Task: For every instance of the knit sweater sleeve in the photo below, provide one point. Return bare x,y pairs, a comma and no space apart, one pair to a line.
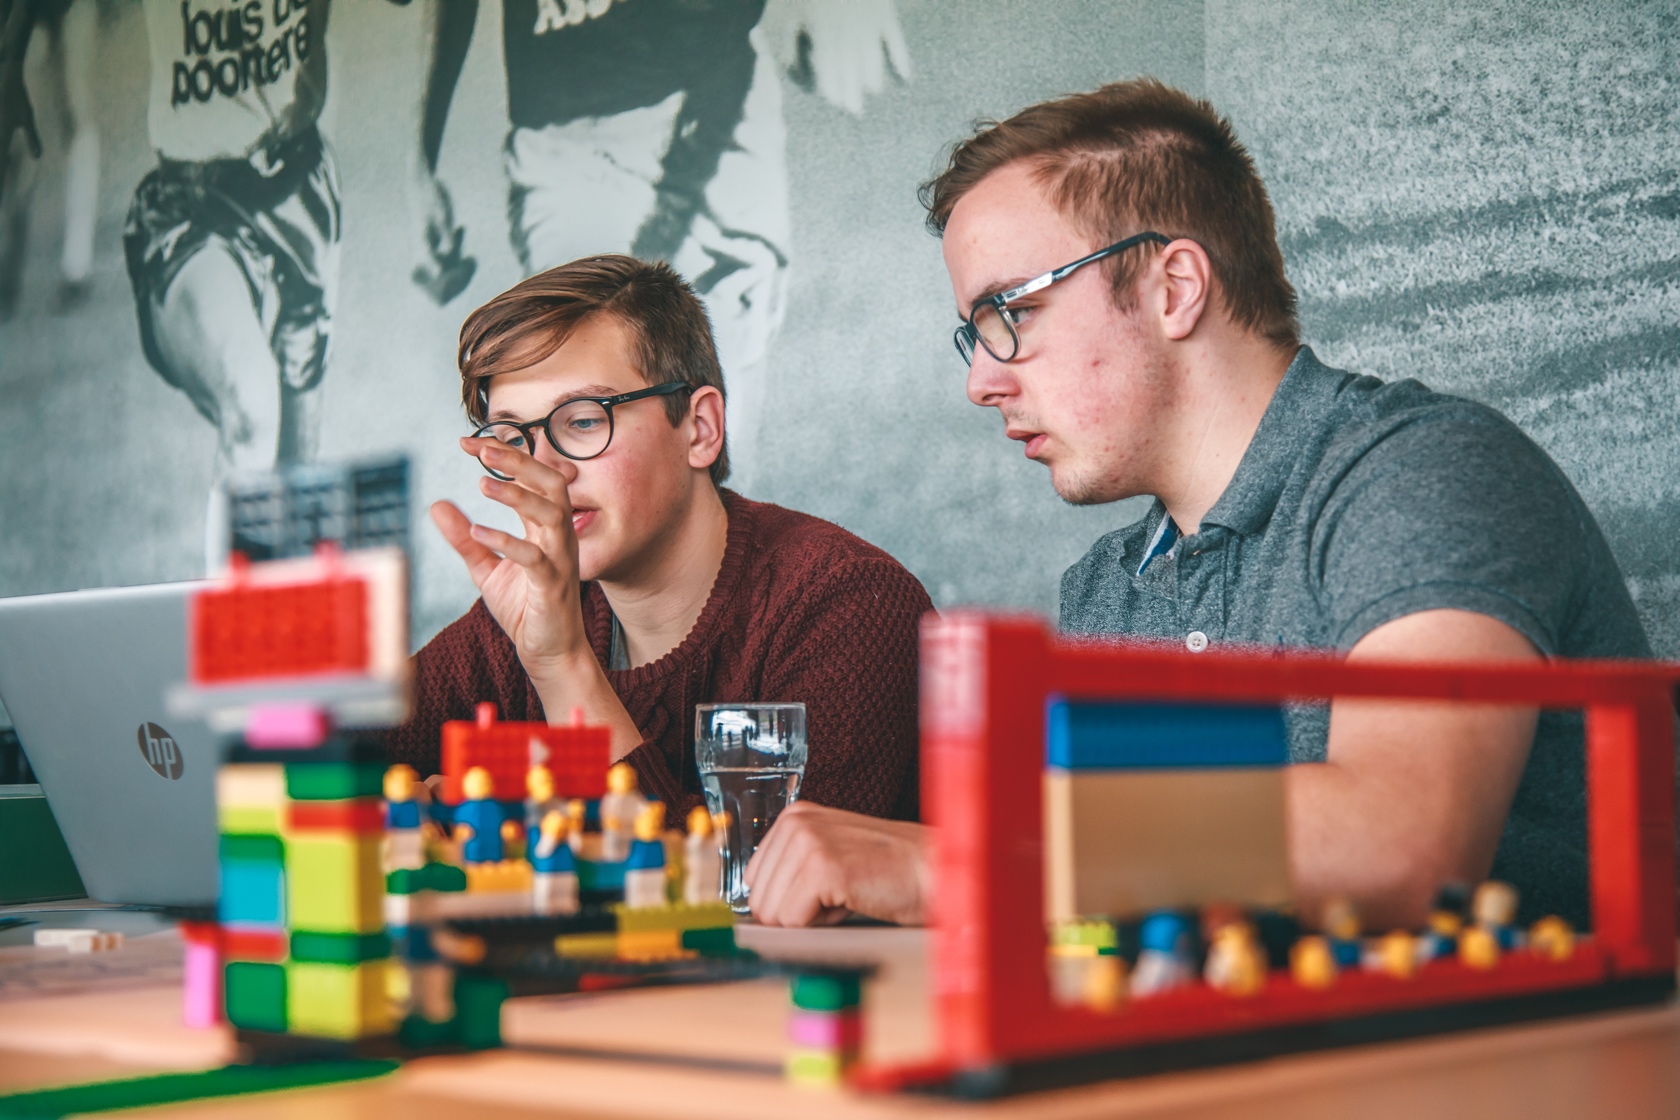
469,661
848,647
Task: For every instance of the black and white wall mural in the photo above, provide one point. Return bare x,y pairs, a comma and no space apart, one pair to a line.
253,230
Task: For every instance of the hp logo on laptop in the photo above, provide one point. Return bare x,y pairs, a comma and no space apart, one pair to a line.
160,751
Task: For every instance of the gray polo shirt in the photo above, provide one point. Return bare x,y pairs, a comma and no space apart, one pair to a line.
1358,502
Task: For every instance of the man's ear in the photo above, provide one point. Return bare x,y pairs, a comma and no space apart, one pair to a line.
706,419
1186,290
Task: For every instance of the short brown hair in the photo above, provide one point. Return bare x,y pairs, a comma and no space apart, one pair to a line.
1140,155
533,319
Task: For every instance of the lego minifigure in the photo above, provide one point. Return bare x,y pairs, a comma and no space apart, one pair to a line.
404,840
576,814
1395,953
540,796
1494,908
620,808
1312,963
554,881
1341,928
479,819
702,860
1446,922
1552,938
1165,959
644,869
1235,962
1478,947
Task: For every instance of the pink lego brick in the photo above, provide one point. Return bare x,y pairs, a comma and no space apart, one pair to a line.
201,975
287,726
826,1030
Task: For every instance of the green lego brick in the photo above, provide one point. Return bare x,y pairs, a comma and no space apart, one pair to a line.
432,877
178,1088
677,916
834,991
711,942
339,948
259,819
1099,935
345,1001
334,781
335,884
255,995
478,1010
253,849
423,1034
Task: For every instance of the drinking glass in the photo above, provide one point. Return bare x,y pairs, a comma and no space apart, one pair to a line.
751,759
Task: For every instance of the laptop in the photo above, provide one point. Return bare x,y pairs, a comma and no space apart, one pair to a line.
83,675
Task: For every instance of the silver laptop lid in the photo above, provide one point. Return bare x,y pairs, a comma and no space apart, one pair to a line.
83,676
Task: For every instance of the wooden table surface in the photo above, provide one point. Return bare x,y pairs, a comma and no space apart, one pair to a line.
702,1052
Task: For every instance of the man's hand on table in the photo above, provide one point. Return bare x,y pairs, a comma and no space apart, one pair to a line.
819,864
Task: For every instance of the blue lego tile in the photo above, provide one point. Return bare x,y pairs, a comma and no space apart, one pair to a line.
253,892
1133,736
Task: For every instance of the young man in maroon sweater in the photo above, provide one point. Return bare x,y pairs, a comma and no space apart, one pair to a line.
640,587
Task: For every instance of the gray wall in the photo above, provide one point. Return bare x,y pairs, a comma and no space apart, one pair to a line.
1476,194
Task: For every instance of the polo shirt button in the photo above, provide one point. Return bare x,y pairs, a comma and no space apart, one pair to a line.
1196,642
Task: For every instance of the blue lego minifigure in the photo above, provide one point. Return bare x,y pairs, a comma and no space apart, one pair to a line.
554,880
478,819
1164,954
644,869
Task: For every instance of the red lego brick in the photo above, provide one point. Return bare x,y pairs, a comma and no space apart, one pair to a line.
577,755
253,944
985,681
362,816
243,630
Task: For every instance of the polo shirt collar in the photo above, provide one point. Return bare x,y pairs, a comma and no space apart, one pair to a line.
1308,391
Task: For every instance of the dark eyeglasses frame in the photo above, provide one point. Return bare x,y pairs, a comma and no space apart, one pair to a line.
968,337
607,405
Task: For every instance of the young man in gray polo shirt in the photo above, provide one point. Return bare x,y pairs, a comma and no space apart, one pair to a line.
1296,506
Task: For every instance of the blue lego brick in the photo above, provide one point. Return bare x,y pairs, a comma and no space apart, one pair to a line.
594,876
253,892
1130,736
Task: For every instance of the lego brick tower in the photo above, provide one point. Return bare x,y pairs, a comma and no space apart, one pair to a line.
307,631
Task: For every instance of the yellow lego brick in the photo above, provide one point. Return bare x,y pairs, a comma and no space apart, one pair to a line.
335,883
586,945
339,1000
249,796
652,945
497,878
678,916
238,820
820,1069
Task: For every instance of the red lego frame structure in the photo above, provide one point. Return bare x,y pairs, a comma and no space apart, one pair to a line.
985,682
578,755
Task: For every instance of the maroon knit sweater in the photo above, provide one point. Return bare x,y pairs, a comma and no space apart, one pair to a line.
801,610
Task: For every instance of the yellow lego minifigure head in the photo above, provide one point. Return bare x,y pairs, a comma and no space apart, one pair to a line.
699,821
539,783
400,781
650,822
1445,923
1341,920
576,810
621,778
476,784
1478,948
554,825
1311,963
1552,938
1494,904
